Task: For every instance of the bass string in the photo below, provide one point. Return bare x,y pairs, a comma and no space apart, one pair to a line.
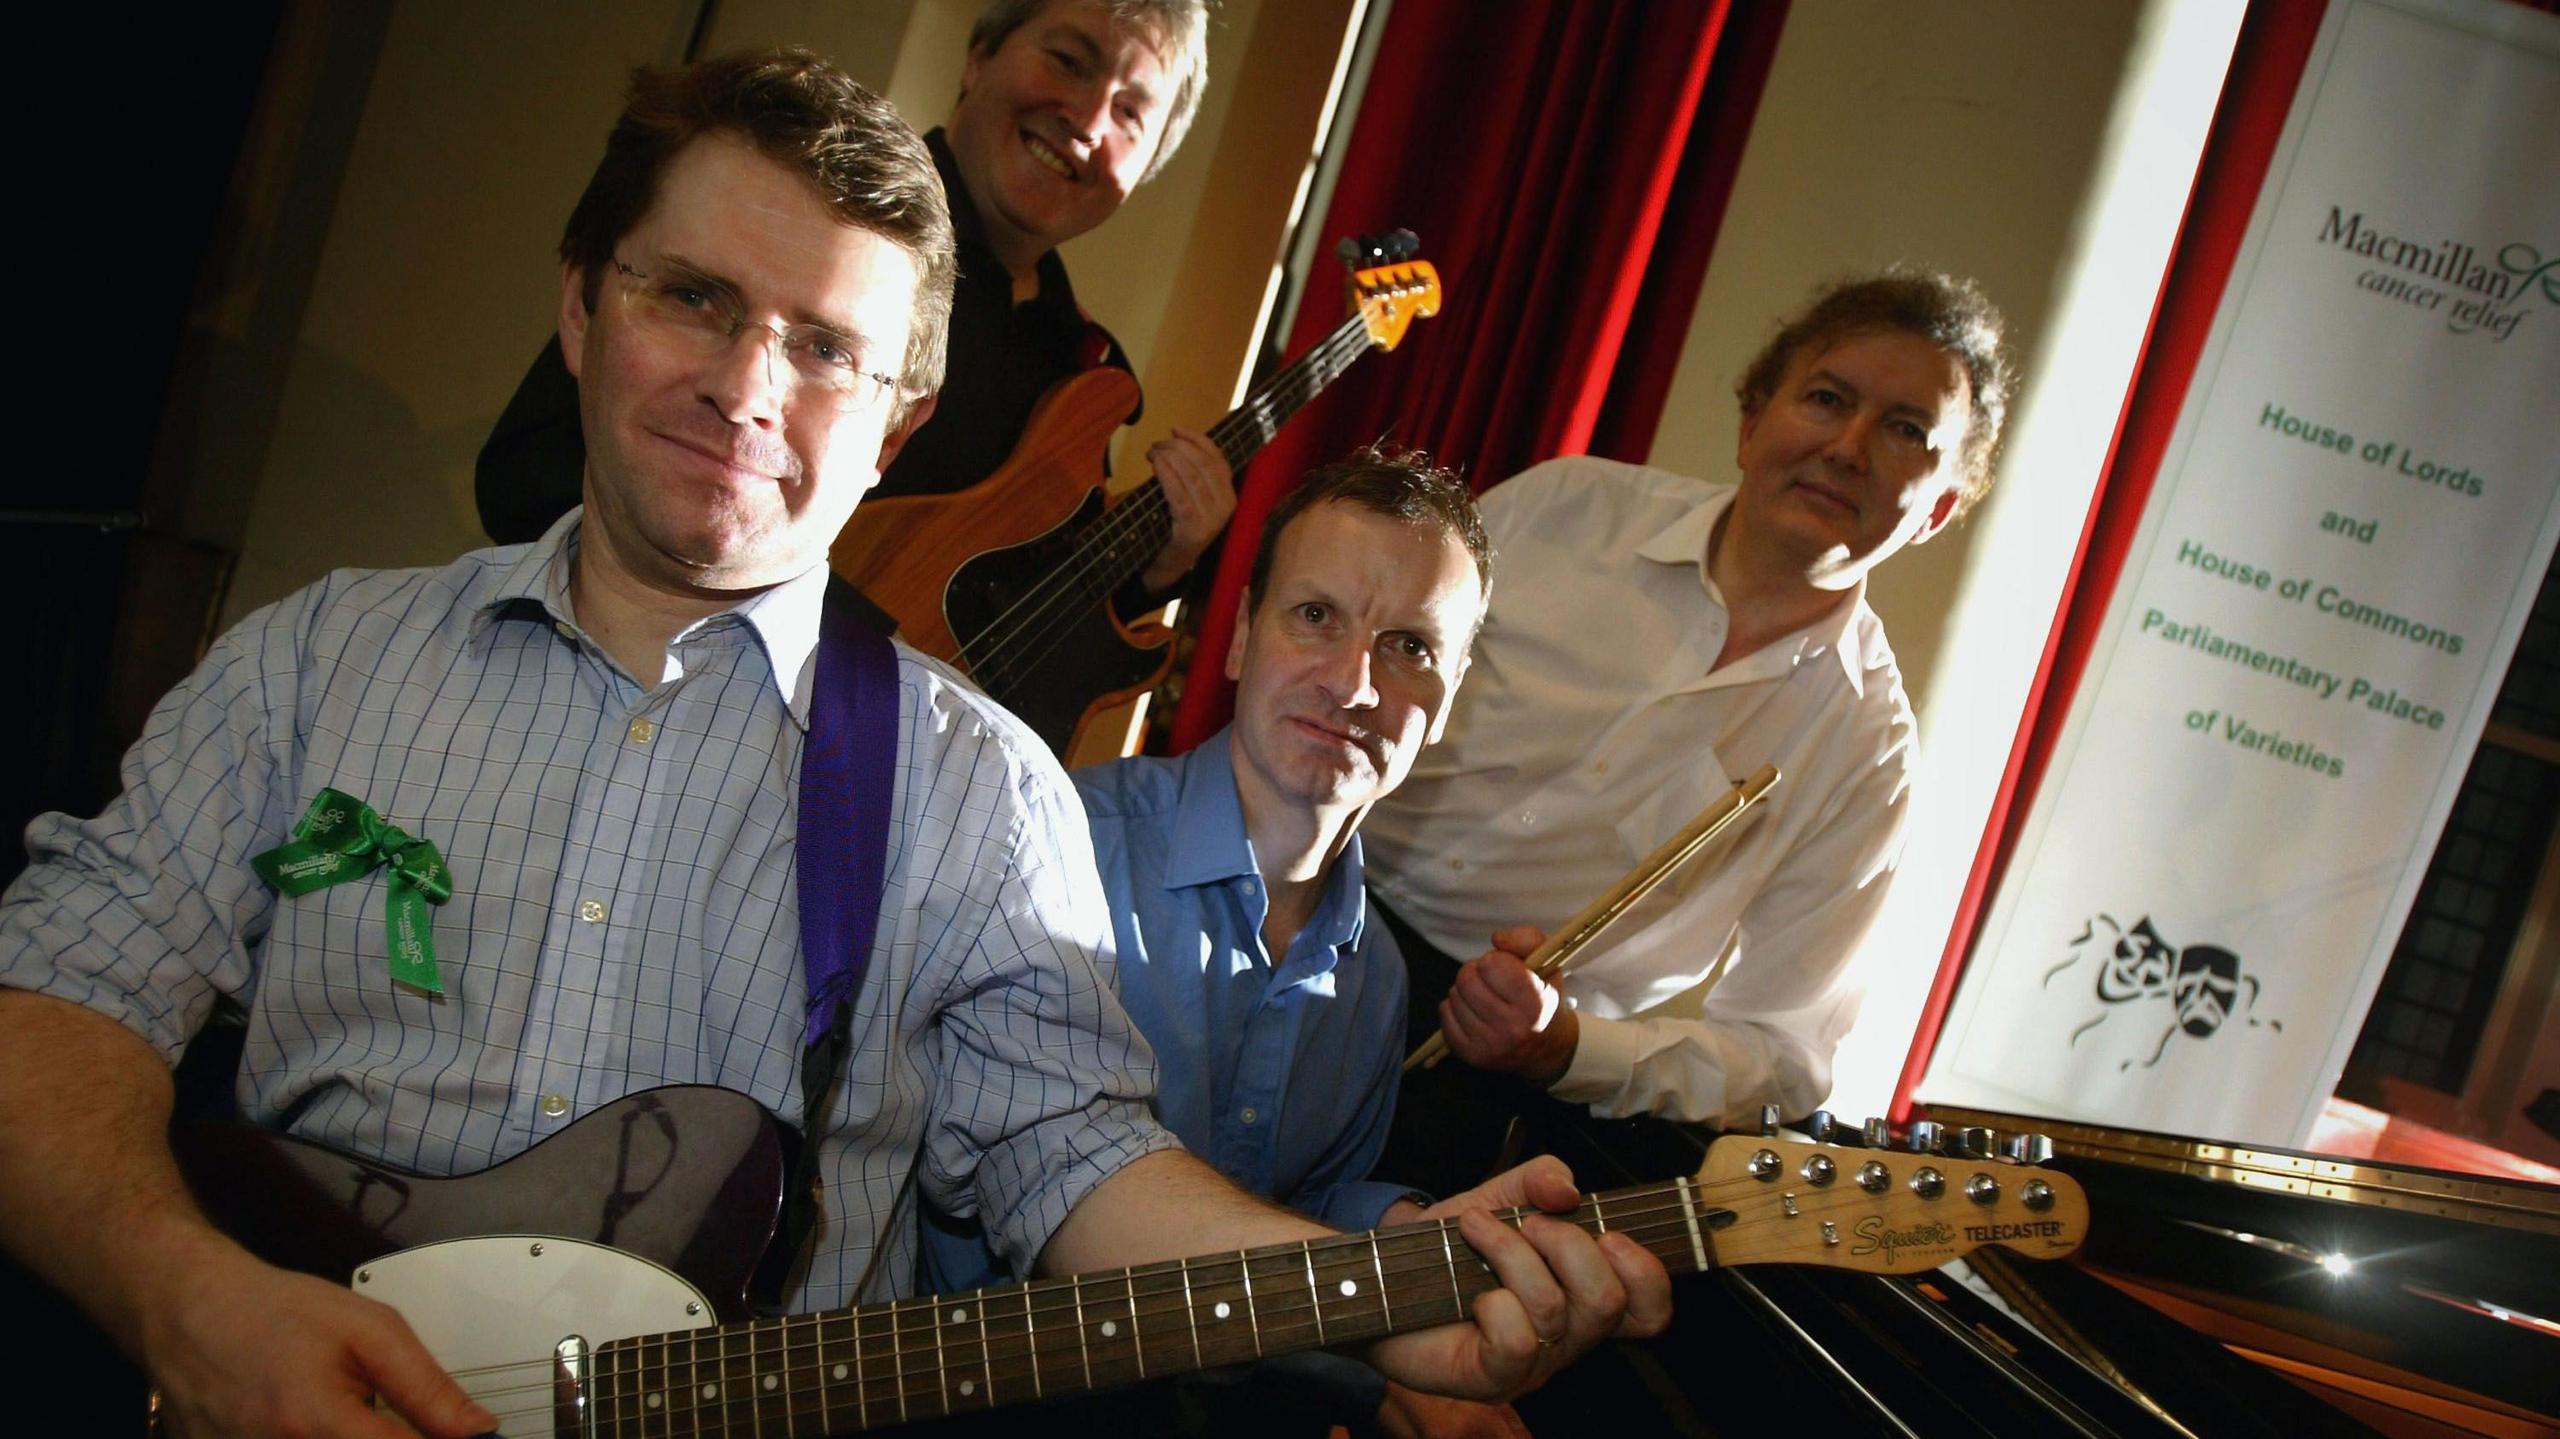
1018,638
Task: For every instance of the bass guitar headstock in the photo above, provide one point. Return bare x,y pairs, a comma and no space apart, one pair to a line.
1855,1199
1391,297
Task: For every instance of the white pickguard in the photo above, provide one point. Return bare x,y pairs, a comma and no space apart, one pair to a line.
492,1309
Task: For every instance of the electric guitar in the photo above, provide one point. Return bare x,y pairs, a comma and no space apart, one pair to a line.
595,1285
1010,579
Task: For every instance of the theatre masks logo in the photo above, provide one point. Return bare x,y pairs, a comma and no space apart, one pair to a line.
2202,984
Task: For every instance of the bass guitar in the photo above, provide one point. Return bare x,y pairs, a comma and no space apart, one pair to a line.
595,1285
1010,579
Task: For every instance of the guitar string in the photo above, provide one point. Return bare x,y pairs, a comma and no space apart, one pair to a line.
1028,637
1297,383
1667,1236
1015,643
1629,1215
936,1378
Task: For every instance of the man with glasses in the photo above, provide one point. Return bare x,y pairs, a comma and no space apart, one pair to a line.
600,735
1065,107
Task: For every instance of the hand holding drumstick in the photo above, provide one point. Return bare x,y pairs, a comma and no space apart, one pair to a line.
1505,1014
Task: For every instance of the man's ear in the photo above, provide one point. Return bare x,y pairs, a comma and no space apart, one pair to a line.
1941,510
574,316
896,439
1742,441
1235,642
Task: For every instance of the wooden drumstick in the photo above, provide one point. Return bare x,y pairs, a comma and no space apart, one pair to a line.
1563,946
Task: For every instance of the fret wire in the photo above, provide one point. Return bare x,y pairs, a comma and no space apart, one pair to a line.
898,1359
826,1377
1137,1341
986,1349
941,1361
1082,1348
1253,1316
1191,1313
1315,1300
1378,1266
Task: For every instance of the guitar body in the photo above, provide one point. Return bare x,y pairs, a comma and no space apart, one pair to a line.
949,568
687,1177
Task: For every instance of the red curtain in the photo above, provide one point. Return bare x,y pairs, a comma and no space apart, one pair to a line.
2266,65
1566,165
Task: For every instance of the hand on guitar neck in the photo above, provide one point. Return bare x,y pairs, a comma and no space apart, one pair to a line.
1200,490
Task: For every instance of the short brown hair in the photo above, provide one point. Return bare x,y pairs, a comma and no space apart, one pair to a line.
1399,484
810,117
1181,28
1946,310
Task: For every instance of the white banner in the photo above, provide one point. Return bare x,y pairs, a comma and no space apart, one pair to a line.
2355,508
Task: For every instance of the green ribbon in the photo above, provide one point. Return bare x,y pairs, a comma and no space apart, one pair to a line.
341,838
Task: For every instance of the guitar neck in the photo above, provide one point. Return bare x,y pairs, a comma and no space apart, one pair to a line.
1131,532
923,1358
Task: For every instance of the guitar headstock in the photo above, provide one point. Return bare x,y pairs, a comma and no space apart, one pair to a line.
1885,1210
1391,297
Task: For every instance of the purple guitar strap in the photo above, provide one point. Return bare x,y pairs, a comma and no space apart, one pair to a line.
848,782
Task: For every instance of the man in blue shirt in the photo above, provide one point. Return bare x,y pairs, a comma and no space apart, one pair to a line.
1274,1003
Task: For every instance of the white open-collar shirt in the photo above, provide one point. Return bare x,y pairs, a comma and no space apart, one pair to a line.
1592,726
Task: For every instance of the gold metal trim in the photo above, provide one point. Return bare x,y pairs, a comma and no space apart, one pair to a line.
2532,1208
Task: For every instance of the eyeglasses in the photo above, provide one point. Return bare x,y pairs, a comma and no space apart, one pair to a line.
699,314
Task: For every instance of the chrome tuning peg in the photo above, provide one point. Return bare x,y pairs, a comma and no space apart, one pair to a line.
1768,1119
1975,1142
2027,1148
1922,1137
1822,1126
1878,1134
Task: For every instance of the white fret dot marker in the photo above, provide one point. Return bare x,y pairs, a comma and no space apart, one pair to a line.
968,1387
959,1316
839,1372
771,1383
654,1400
1109,1328
1222,1310
710,1391
1349,1288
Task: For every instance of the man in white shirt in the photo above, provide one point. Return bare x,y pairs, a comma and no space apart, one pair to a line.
1657,638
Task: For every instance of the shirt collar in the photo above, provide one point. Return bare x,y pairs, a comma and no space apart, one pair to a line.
1684,541
1210,845
784,619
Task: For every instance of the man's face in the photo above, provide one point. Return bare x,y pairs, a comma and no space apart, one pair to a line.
1348,667
1056,126
719,471
1856,454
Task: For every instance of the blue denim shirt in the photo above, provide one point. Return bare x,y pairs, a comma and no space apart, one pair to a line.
1281,1075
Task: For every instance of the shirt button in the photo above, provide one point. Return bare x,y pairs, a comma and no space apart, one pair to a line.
591,910
554,1105
1458,864
1601,768
1249,1114
642,731
1528,817
566,631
